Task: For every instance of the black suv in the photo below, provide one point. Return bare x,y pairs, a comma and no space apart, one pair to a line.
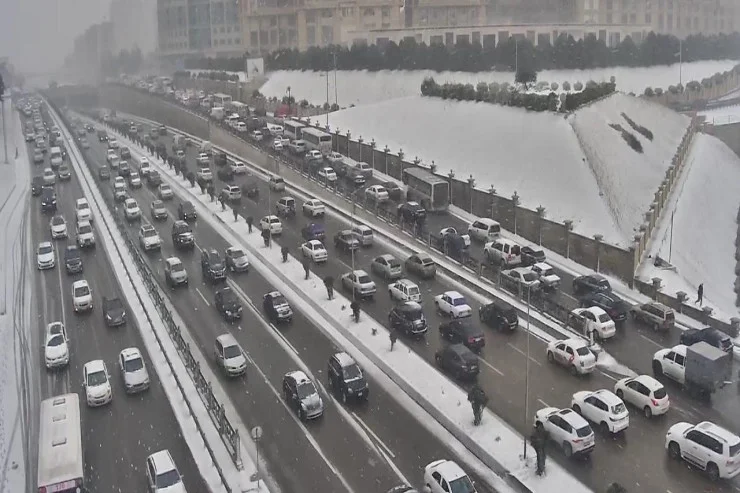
124,169
104,173
182,235
591,283
346,378
499,315
532,255
153,180
212,266
277,307
228,304
463,331
48,200
395,192
219,158
612,304
73,259
114,312
412,212
409,319
459,361
710,335
186,211
125,153
37,184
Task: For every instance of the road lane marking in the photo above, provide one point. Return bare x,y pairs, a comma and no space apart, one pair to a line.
202,297
523,354
543,403
364,430
651,341
609,377
373,434
489,365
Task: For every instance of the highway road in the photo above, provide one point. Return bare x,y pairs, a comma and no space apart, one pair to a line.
360,448
637,460
118,437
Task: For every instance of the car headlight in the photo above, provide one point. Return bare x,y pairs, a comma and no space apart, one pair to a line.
108,317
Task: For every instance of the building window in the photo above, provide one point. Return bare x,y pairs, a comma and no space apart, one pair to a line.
311,17
237,41
609,5
648,18
624,18
669,22
386,11
311,35
291,20
273,37
327,35
326,13
292,37
273,21
368,12
264,37
609,18
254,38
633,18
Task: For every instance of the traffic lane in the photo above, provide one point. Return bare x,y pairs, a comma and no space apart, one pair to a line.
147,412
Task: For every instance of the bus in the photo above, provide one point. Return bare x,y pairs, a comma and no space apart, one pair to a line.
222,100
430,190
61,467
316,139
292,129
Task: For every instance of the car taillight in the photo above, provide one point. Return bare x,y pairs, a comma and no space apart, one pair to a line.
42,489
577,440
654,402
471,340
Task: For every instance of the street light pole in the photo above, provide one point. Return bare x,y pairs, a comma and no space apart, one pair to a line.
526,378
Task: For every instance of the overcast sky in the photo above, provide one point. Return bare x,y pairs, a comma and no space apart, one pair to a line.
38,34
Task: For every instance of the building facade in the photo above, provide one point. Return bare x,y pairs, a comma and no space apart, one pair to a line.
134,25
203,27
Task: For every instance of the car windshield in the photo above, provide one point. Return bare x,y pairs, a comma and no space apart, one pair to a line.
45,249
583,351
164,188
670,317
96,378
584,431
57,220
85,228
133,364
236,253
619,408
427,262
604,318
734,449
462,485
176,267
274,220
232,352
56,340
548,272
351,372
530,276
279,300
305,390
363,279
82,291
167,479
150,232
413,290
459,301
394,264
114,304
659,393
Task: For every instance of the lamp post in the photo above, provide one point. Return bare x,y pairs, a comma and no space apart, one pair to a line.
372,147
514,205
492,193
471,187
349,136
386,151
400,160
526,377
290,112
336,138
360,140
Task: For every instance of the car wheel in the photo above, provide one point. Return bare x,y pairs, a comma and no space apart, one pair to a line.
567,449
713,471
605,427
550,357
647,412
577,408
344,397
620,394
674,451
657,369
301,414
573,370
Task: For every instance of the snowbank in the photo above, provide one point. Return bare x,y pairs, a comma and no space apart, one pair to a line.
705,208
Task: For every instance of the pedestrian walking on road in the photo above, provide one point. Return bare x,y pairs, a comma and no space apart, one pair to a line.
700,294
478,400
307,266
250,220
538,440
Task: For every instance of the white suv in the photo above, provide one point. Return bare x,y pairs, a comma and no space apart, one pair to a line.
442,476
404,290
131,210
83,211
81,296
644,392
149,238
602,407
162,474
567,429
706,446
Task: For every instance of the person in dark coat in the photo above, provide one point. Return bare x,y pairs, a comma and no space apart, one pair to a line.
700,294
266,236
250,220
538,440
235,210
284,251
329,284
478,400
355,307
307,267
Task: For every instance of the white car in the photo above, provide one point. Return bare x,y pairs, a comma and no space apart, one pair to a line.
85,234
573,354
203,159
315,250
162,474
645,393
58,227
113,143
239,168
56,346
230,356
602,407
134,179
96,381
133,370
593,320
445,476
567,429
110,154
387,266
277,144
314,207
313,155
522,276
452,231
204,172
81,296
334,158
165,192
271,223
131,210
50,178
376,193
83,211
119,183
359,282
706,446
257,135
144,166
546,274
149,238
45,256
327,174
404,290
453,304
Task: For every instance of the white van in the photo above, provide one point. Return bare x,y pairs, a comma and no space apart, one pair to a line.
363,234
484,229
56,157
232,120
217,112
206,147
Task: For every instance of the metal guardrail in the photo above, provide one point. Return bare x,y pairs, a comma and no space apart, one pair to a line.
229,434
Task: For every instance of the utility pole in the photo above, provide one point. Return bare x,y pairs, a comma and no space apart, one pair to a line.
336,97
680,61
2,109
327,95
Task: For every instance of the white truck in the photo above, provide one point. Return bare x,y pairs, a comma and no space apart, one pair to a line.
701,368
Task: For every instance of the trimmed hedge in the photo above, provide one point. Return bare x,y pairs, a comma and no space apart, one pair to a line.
638,128
631,140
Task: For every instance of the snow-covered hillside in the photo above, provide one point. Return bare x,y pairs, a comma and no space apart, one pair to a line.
706,204
627,179
724,115
362,87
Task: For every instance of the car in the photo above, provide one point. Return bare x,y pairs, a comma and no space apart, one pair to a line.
313,231
73,259
532,255
593,320
84,143
359,282
204,173
591,283
144,167
83,211
450,231
521,278
251,189
327,174
134,179
162,474
104,173
346,240
56,346
276,184
408,317
186,211
64,172
85,235
395,192
710,335
573,354
228,305
82,299
313,156
277,307
149,238
229,354
37,183
96,382
131,210
459,361
236,260
376,193
212,265
133,370
272,224
45,256
297,147
231,193
125,152
549,280
114,311
504,252
463,331
568,429
645,393
421,265
174,272
159,211
387,266
445,476
154,179
603,408
707,446
404,290
356,178
239,168
484,229
113,144
285,206
225,174
313,208
499,315
655,315
302,395
346,378
182,235
453,304
256,135
165,191
50,178
277,144
30,136
613,305
411,212
315,250
110,155
58,227
124,169
119,183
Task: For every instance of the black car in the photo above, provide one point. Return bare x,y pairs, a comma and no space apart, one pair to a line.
102,136
73,259
225,174
153,179
409,318
463,331
219,158
104,173
125,153
186,211
114,312
356,178
228,304
395,192
277,307
612,304
313,231
591,283
346,378
213,266
182,235
411,212
532,255
124,169
459,361
90,129
499,315
345,240
48,199
710,335
251,189
37,184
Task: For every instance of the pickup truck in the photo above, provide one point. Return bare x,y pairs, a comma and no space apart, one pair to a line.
700,368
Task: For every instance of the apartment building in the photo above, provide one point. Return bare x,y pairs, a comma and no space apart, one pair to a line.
134,25
204,27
